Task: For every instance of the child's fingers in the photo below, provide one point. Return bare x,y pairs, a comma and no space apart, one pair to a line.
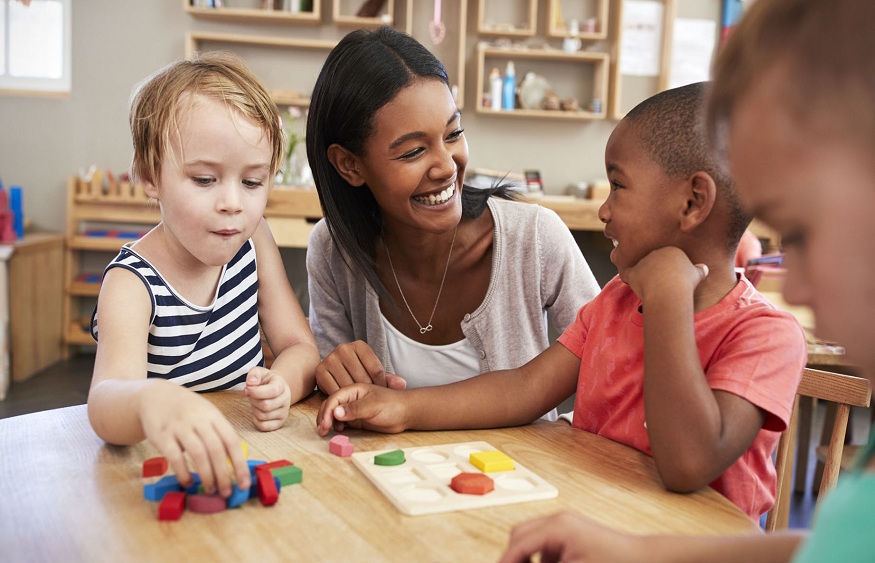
176,460
325,417
395,382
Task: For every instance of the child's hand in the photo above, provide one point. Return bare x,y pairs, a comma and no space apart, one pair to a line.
354,362
566,536
270,397
665,269
362,405
180,423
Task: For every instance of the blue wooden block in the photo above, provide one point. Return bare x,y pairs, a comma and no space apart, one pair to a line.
156,491
193,488
253,463
238,496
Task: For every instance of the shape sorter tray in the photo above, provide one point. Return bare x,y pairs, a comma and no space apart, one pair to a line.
421,485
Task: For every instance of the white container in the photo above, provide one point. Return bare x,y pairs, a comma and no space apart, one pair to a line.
495,89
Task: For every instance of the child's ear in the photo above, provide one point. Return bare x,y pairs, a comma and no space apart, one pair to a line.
150,189
701,195
346,165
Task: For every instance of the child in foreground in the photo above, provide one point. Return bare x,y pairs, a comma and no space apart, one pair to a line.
792,103
179,310
678,356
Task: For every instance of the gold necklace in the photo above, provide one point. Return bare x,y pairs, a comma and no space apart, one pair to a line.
427,327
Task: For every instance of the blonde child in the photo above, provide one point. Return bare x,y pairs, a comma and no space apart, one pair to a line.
677,356
179,310
792,103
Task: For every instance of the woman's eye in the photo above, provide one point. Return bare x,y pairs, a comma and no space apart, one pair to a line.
615,185
456,134
412,154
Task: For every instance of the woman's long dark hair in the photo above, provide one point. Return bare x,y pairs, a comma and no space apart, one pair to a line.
364,72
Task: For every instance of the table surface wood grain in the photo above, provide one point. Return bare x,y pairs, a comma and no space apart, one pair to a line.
65,495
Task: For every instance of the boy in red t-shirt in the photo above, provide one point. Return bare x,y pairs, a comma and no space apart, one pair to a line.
679,356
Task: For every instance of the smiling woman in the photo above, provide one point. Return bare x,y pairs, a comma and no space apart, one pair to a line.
35,46
416,279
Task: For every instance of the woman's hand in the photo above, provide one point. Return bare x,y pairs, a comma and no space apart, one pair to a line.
351,363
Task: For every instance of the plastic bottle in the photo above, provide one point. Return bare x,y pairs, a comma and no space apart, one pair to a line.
495,89
508,99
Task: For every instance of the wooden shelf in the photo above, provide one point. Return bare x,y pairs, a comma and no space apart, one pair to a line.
83,289
555,29
385,17
597,62
243,15
526,28
76,336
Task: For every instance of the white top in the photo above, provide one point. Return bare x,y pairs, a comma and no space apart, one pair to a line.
424,365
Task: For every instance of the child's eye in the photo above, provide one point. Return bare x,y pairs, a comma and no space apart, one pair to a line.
203,180
793,239
253,183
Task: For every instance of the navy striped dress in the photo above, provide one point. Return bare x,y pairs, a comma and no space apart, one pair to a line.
203,348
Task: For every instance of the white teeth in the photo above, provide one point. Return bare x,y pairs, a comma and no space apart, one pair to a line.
437,199
615,242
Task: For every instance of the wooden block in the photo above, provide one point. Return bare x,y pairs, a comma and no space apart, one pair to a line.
172,506
395,457
340,446
268,491
153,467
472,484
156,491
492,461
238,497
206,504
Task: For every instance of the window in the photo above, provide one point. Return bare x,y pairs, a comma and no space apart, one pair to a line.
35,46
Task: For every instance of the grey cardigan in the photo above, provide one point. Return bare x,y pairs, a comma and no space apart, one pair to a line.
537,270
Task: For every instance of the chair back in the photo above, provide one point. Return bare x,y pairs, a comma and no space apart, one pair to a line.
844,390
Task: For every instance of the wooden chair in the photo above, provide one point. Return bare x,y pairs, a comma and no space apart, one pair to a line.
844,390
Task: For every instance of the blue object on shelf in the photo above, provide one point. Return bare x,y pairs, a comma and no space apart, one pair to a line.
15,205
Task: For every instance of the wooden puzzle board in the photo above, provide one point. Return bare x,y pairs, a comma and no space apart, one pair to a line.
421,485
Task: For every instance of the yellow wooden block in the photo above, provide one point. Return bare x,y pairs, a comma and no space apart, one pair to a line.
489,462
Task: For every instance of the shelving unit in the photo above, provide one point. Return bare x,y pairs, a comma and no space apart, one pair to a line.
341,16
590,78
569,10
122,208
519,19
240,15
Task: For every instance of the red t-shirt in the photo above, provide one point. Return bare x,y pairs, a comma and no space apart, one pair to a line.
747,347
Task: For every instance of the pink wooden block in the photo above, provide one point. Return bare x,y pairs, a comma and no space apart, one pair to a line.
340,446
206,504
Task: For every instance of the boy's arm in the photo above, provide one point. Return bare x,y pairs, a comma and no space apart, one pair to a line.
124,407
695,432
501,398
570,537
285,328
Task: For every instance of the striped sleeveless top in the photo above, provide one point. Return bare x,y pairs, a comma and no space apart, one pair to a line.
203,348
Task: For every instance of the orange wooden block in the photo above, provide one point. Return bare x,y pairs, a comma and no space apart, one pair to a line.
472,484
154,467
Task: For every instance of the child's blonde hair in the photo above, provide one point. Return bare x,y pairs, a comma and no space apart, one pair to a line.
158,101
826,50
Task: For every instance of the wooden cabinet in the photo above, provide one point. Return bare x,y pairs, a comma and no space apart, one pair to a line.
35,303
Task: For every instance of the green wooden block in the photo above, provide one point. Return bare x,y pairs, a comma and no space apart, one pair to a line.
395,457
288,474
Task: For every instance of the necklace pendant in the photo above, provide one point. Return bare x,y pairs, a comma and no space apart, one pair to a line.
424,329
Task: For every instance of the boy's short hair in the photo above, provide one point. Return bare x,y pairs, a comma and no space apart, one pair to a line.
157,102
825,49
672,128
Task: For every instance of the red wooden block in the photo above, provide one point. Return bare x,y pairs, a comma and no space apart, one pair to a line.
268,493
154,467
472,484
206,504
172,506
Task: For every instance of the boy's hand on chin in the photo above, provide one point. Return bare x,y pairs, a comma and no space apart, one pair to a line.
666,269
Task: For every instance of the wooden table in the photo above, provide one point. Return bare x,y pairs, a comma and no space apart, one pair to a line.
67,496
